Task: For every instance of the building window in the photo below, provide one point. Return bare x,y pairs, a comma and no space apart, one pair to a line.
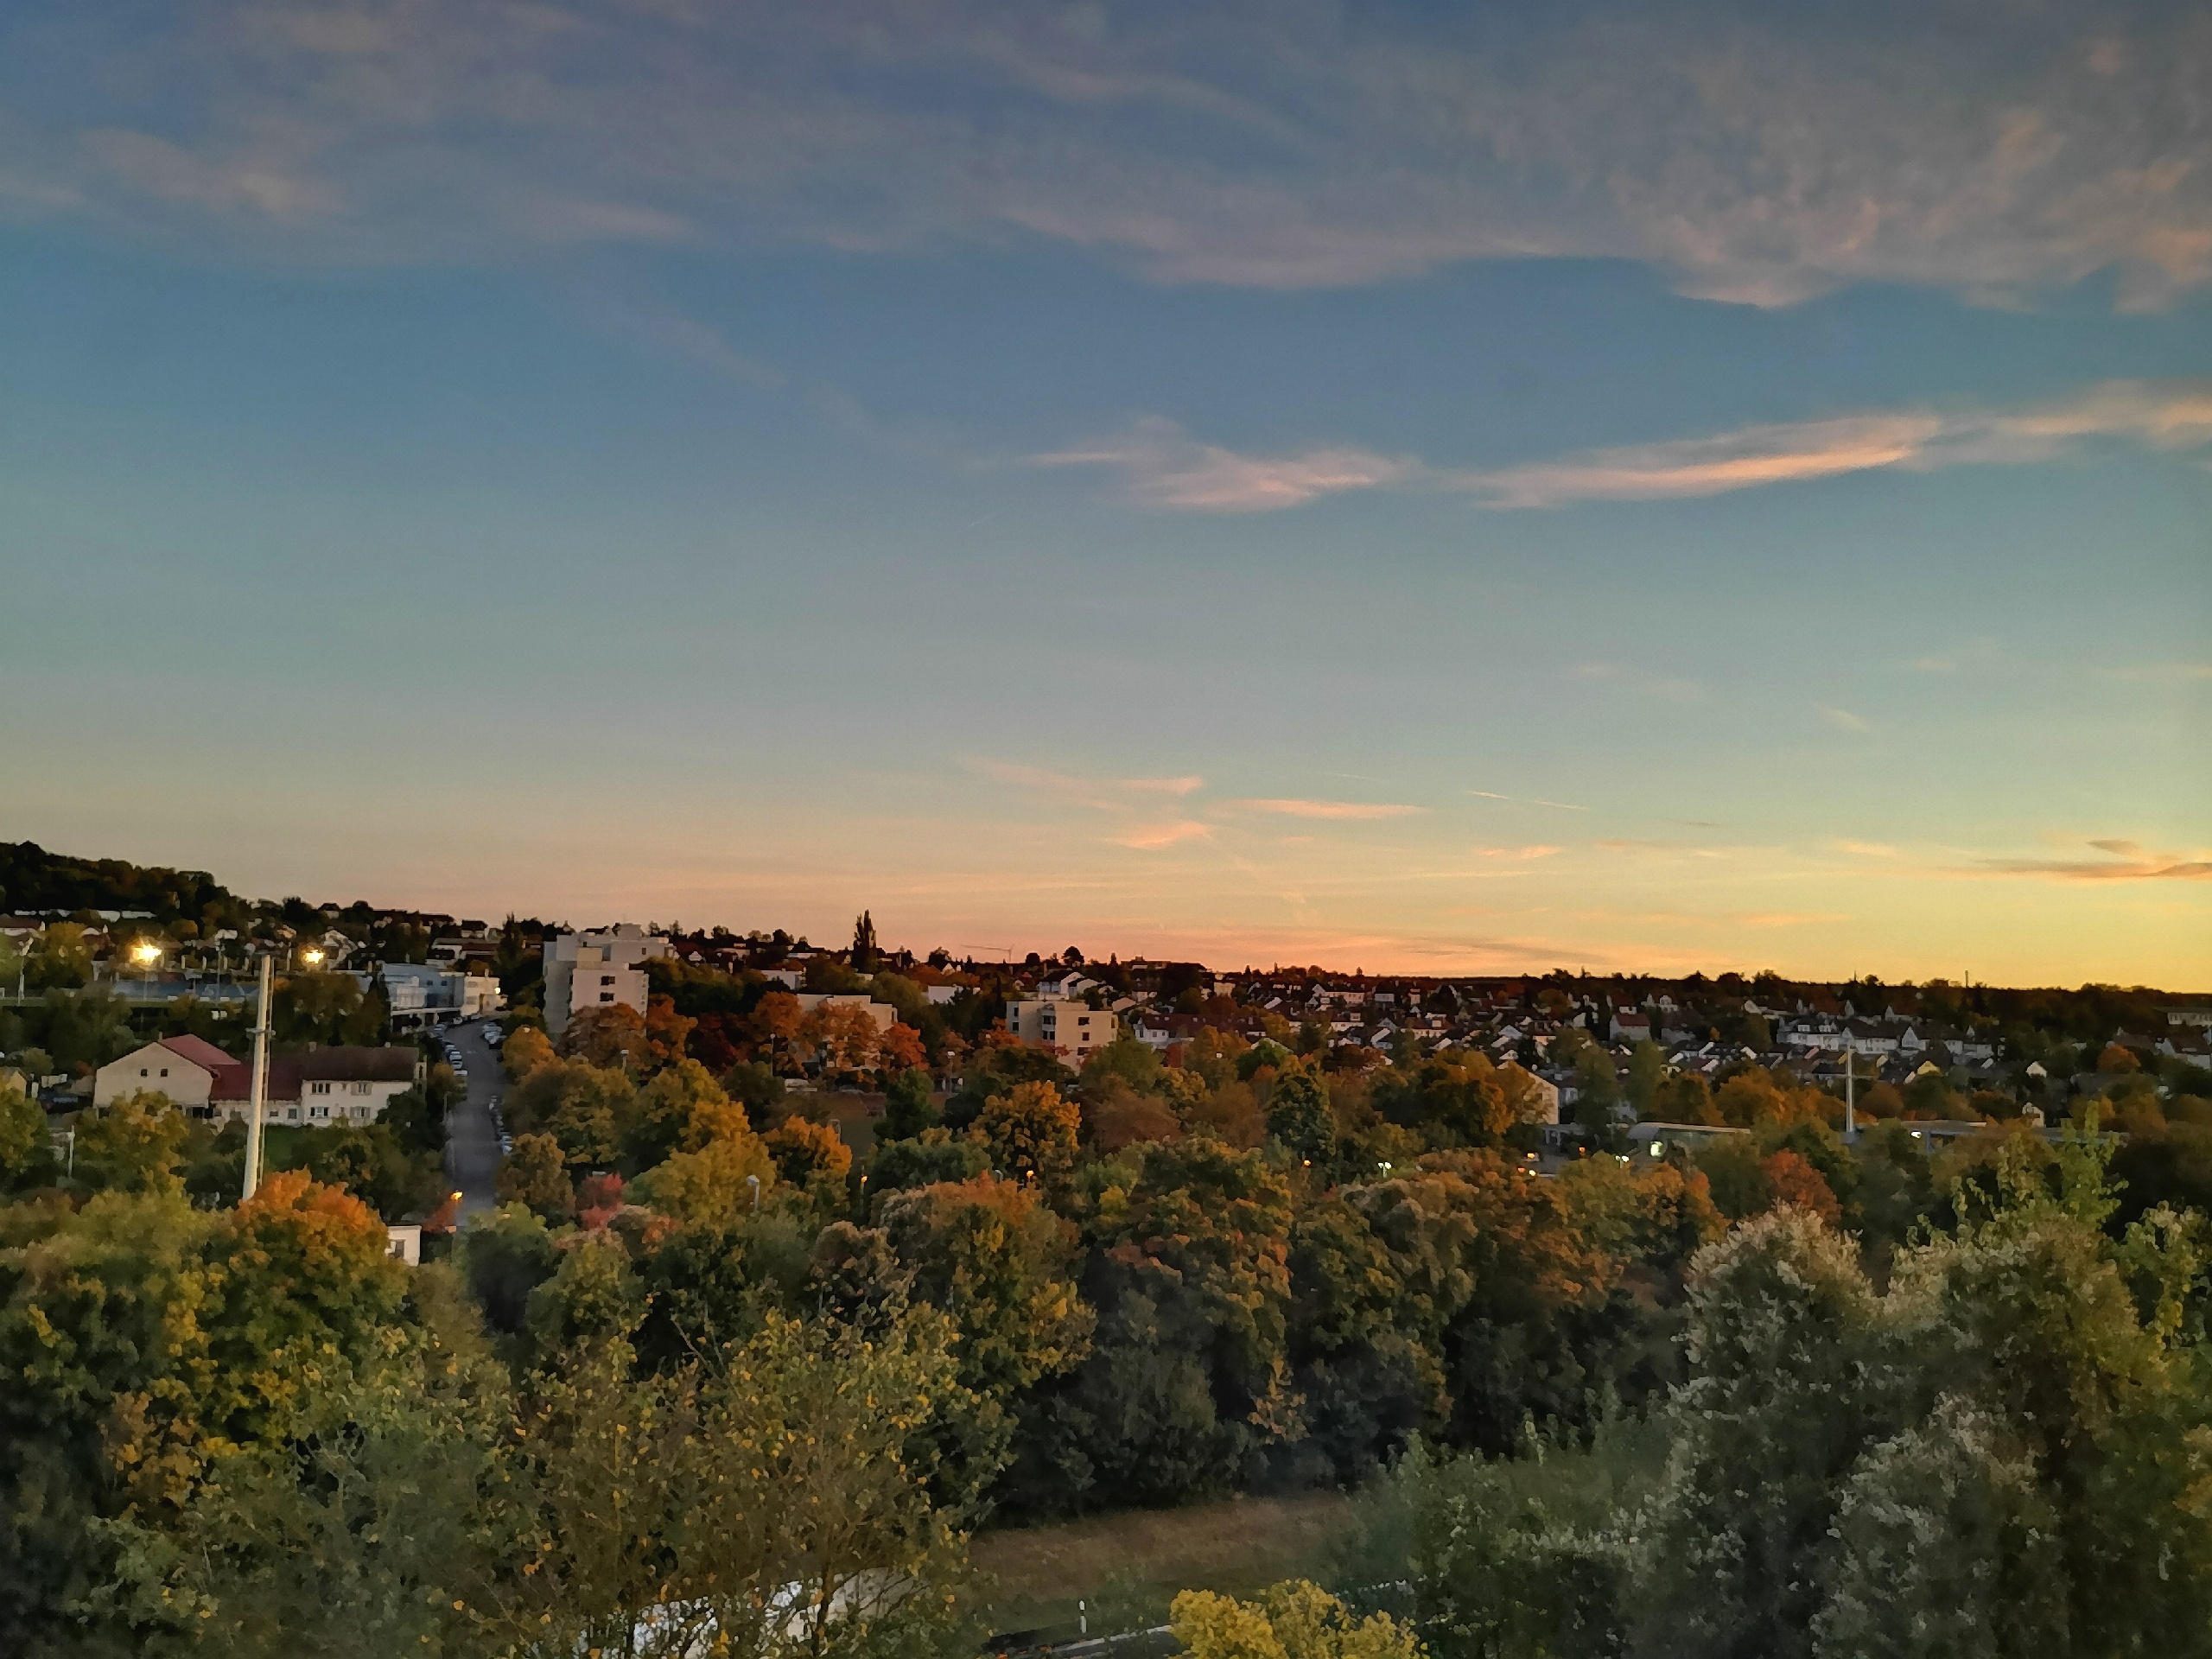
165,1071
606,979
607,996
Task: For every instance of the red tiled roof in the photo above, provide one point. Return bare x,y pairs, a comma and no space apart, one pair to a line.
200,1051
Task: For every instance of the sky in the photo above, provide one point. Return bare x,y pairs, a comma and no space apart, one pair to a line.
1417,488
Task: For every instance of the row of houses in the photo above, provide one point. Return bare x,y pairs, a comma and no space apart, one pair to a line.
315,1088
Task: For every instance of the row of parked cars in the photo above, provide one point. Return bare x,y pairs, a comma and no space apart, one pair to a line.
493,1036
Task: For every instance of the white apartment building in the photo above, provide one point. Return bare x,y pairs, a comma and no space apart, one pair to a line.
597,969
1066,1025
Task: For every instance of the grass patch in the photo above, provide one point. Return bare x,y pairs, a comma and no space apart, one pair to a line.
1126,1567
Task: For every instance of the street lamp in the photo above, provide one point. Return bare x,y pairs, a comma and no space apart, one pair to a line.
148,953
311,956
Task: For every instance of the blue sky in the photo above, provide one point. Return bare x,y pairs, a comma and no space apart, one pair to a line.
1392,486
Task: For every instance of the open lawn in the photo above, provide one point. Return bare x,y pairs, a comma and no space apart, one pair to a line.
1126,1567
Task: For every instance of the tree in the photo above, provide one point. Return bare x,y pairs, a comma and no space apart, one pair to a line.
1031,1133
909,1106
1187,1376
370,1536
613,1036
668,1033
1298,1114
714,1183
536,1175
845,1037
26,1154
777,1023
1297,1620
806,1487
526,1048
811,1157
136,1145
1000,1266
864,947
1646,1070
900,1050
589,1109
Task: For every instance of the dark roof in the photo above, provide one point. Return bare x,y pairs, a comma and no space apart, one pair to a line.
340,1064
235,1081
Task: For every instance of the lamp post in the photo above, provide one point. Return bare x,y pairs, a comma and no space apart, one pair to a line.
148,953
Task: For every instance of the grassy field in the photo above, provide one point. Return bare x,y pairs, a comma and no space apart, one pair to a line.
1127,1567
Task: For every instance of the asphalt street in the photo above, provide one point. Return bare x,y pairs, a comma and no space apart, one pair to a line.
472,1142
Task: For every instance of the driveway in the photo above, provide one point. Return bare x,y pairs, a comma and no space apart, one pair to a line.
472,1144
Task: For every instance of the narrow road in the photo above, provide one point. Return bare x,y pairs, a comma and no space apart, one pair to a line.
472,1143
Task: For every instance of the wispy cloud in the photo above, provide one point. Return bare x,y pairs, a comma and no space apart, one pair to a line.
1162,467
1864,849
1149,837
1516,853
1843,719
1525,800
1137,801
1748,156
2123,860
1165,468
1340,810
2168,415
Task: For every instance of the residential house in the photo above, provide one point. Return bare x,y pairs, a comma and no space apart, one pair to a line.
319,1086
184,1069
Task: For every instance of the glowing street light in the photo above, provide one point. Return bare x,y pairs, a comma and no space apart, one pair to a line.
146,952
311,956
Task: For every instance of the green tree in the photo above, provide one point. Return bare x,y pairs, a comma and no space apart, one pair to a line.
909,1106
1000,1266
1646,1070
135,1144
1298,1114
26,1153
588,1109
1030,1132
536,1175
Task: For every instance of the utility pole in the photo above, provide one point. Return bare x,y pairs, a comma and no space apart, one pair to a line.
1850,1101
260,1085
